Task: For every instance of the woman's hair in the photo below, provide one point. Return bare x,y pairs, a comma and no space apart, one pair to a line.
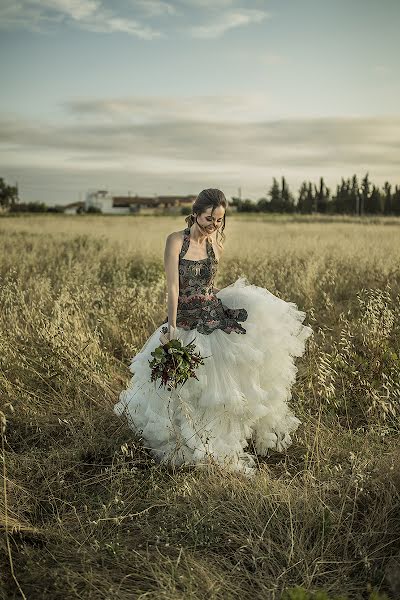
209,197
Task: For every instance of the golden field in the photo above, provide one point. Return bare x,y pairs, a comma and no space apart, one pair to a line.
86,513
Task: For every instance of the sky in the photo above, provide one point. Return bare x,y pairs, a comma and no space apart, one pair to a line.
155,97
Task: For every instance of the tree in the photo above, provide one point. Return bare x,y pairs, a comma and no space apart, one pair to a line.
321,197
263,205
341,200
302,206
365,189
396,200
387,190
28,207
354,196
287,200
247,206
8,194
275,204
310,199
375,201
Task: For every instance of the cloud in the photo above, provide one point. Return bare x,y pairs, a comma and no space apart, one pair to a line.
245,107
56,163
226,21
36,15
183,141
208,4
154,8
19,14
129,16
76,9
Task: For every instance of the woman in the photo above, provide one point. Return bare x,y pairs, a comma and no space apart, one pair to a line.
249,338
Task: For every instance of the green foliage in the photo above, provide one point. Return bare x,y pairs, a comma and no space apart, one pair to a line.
174,363
28,207
93,210
247,206
55,209
300,593
350,199
8,194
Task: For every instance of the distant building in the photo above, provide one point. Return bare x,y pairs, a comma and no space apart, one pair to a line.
100,199
107,203
123,205
130,204
168,201
73,208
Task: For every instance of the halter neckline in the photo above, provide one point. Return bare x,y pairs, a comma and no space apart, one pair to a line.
186,244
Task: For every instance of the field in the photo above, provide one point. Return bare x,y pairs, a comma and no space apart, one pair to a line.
88,514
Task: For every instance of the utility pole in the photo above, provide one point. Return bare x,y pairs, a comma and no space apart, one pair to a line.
240,193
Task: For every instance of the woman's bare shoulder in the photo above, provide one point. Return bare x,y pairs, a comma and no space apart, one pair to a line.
174,239
175,235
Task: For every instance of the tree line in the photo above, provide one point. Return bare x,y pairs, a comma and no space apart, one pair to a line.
351,197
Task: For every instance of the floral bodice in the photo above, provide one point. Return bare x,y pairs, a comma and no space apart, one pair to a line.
198,306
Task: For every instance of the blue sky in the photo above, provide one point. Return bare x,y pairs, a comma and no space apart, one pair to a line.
163,97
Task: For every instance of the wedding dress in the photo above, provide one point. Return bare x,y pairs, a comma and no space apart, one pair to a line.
250,338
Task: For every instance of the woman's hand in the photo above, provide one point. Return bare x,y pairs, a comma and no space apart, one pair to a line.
170,335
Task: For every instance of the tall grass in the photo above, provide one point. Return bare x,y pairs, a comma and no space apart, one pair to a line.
87,513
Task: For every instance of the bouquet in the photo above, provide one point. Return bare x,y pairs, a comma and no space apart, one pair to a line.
174,363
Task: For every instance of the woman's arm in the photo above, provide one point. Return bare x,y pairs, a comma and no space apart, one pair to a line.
171,265
218,256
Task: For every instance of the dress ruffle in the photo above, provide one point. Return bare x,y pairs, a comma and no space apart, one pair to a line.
242,389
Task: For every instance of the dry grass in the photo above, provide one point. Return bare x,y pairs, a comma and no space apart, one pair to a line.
87,514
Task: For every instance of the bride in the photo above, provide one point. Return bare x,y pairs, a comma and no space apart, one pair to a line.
250,338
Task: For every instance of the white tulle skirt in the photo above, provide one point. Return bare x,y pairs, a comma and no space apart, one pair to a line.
241,392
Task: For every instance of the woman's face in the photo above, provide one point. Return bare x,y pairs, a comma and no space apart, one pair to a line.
211,221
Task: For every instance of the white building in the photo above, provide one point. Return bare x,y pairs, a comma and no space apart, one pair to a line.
123,205
100,199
